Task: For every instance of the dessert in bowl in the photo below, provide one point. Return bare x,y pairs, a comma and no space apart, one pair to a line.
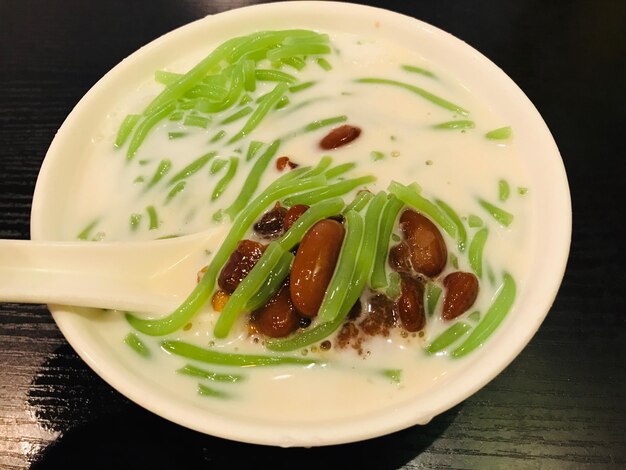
394,221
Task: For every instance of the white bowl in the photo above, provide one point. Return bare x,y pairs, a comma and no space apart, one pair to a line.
551,210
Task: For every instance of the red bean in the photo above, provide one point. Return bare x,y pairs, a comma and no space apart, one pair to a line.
461,293
339,136
278,317
427,248
284,162
240,263
410,305
314,264
270,226
293,214
400,258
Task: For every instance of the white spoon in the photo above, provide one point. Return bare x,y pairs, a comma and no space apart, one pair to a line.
151,277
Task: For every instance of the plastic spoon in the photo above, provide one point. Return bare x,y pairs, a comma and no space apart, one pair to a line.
151,277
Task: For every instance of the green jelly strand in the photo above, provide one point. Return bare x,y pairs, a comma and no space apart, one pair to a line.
252,180
219,135
153,217
378,279
135,220
333,190
455,125
269,75
166,78
193,167
339,170
460,227
196,121
493,317
448,337
475,251
433,293
324,64
209,356
194,371
272,284
342,276
178,187
261,111
258,45
502,133
217,165
126,128
187,81
146,125
237,115
321,168
162,170
253,149
312,126
418,91
504,190
418,70
222,184
301,86
133,341
500,215
359,202
298,50
249,78
86,232
207,391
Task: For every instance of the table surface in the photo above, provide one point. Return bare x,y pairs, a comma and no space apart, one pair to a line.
560,404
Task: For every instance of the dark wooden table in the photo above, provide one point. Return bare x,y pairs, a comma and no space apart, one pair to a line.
560,404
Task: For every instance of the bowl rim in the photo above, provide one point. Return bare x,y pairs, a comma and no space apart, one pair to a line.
362,428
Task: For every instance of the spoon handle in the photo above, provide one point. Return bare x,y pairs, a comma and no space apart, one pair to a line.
151,277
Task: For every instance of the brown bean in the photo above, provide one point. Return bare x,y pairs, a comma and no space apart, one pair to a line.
427,247
284,162
314,265
410,305
339,136
400,258
278,317
461,293
240,263
270,226
293,214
